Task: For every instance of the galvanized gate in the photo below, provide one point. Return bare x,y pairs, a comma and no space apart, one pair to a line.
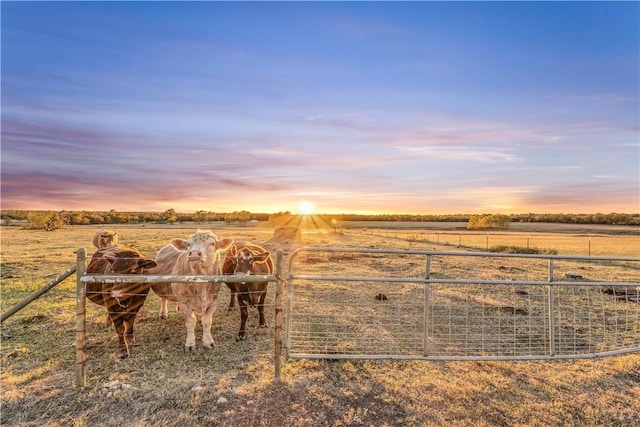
345,303
348,303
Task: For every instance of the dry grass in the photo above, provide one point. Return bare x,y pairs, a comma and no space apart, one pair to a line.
237,378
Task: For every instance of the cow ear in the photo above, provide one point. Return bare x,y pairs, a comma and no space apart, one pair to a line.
233,250
179,244
224,244
261,258
147,263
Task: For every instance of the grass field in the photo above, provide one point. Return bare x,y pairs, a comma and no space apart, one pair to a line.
234,385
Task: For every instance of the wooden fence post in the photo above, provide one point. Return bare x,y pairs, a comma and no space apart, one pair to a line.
279,314
81,321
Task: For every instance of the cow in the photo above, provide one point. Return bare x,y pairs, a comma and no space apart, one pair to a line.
198,255
105,239
122,300
246,259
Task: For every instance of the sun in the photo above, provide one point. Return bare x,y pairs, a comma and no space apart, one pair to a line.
306,208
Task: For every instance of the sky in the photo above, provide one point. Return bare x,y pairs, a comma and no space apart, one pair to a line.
355,107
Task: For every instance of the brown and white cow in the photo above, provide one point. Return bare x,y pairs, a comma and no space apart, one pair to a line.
198,255
122,300
105,239
246,259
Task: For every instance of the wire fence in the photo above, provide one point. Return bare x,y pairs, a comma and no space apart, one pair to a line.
585,244
437,305
366,303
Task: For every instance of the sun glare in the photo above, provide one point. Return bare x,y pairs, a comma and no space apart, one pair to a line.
305,208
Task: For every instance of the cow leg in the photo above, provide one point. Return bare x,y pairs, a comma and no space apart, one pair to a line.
129,323
207,323
164,311
244,314
232,299
190,325
121,328
263,320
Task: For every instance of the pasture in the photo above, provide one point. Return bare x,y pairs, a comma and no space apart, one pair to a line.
233,385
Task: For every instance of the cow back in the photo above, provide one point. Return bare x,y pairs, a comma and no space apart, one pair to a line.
117,260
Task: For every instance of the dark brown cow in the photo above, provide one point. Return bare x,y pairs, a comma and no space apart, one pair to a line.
122,300
246,259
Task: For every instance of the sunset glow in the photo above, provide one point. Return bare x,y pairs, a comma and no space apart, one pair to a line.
306,208
362,107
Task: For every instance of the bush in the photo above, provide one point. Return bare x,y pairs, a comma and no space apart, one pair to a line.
522,250
49,221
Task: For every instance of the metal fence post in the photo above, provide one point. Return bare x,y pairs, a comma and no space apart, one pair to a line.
427,295
81,321
279,314
552,319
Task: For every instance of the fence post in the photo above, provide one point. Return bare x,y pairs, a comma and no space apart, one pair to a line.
279,314
427,297
552,320
81,321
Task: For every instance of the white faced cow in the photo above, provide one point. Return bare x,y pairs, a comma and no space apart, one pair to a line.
198,255
245,259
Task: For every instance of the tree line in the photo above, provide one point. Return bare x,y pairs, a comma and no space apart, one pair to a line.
51,220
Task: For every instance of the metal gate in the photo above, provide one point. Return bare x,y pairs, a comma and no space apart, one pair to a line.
345,303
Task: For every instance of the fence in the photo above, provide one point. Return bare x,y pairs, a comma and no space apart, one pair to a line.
83,278
404,304
583,244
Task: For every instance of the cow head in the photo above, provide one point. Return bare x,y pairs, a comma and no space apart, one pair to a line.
105,238
245,260
203,248
128,261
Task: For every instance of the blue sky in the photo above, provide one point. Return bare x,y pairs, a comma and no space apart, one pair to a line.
403,107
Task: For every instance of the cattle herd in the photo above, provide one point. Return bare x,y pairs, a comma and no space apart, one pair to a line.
199,254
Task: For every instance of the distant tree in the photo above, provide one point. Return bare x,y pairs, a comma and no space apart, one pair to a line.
170,216
488,221
241,217
200,216
79,218
48,221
